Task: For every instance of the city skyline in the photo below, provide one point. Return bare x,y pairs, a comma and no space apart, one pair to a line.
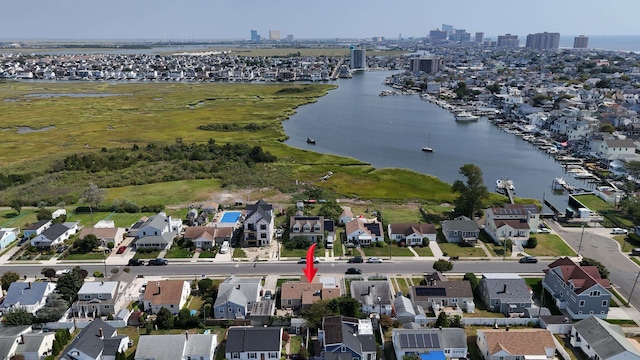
216,20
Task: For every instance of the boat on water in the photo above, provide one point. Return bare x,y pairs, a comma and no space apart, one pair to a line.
466,116
428,148
311,141
503,184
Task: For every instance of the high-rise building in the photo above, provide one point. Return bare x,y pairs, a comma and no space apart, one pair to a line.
437,36
254,35
508,40
479,37
274,35
358,57
290,37
447,28
581,42
543,40
459,35
429,65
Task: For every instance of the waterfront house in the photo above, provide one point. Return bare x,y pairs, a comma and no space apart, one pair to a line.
169,294
55,235
7,236
30,296
449,343
512,221
516,344
177,346
236,296
600,340
252,343
363,232
461,230
412,234
98,340
505,293
374,296
258,224
342,337
579,290
309,227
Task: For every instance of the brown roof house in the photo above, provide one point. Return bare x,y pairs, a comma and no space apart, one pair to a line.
440,294
170,294
299,295
516,344
105,231
202,236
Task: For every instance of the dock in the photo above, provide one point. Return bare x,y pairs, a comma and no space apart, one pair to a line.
509,194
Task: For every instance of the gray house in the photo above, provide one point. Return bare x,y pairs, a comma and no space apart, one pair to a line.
373,296
578,289
236,296
450,343
244,343
505,293
600,340
406,312
344,338
98,340
461,230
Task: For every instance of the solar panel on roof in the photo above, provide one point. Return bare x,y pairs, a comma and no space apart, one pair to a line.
430,291
435,340
404,341
420,341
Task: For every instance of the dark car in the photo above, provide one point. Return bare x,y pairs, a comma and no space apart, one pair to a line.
136,262
61,249
353,271
121,250
635,252
528,260
158,262
356,260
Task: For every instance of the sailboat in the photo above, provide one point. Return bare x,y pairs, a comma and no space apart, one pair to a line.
428,148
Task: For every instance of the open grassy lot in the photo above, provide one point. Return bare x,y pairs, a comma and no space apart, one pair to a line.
172,192
394,250
550,245
423,251
10,218
594,203
452,249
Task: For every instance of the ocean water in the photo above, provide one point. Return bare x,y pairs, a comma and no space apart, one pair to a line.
605,42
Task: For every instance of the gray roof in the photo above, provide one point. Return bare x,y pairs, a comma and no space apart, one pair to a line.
411,325
32,342
246,290
13,331
38,225
403,306
5,347
461,225
516,290
241,339
607,340
367,292
25,293
262,208
171,347
111,345
88,340
157,221
446,338
165,238
344,330
55,231
232,295
263,307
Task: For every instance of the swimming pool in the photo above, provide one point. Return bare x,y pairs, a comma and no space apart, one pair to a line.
230,216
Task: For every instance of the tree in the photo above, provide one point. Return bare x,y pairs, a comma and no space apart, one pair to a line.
69,284
386,321
443,320
93,195
607,128
532,242
16,204
53,310
204,284
185,320
164,319
472,193
425,241
43,214
87,243
443,265
330,210
49,273
472,279
604,273
7,278
18,317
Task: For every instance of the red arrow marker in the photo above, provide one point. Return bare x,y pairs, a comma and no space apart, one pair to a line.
309,270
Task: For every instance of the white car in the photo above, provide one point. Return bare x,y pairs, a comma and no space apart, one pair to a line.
619,231
544,230
374,260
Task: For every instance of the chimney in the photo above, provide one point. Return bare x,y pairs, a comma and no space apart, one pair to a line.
158,285
504,289
506,328
29,285
186,334
238,286
101,333
21,339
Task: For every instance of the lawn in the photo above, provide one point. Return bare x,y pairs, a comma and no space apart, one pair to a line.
294,344
172,192
423,251
238,253
550,245
403,286
178,252
10,218
87,256
594,203
452,249
146,255
207,254
298,253
387,250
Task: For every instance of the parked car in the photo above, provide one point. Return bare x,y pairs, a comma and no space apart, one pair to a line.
544,230
121,250
355,271
356,260
224,248
158,262
635,252
374,260
136,262
61,249
303,260
619,231
528,260
267,295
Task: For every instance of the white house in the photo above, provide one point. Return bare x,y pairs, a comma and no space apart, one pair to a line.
259,224
412,234
252,343
180,346
364,232
30,296
513,221
600,340
450,342
55,235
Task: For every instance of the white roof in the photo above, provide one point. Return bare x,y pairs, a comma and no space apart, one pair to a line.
98,287
328,282
501,276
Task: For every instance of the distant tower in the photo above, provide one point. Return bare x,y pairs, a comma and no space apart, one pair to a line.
274,35
508,40
358,58
479,37
290,37
581,42
543,40
447,28
254,35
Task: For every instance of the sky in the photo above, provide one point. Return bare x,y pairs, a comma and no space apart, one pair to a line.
165,20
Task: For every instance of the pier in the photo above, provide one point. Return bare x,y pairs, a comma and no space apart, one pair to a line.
509,194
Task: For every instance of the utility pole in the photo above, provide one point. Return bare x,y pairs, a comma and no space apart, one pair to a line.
581,237
633,288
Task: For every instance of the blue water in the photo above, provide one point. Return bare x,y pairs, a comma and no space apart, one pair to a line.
230,216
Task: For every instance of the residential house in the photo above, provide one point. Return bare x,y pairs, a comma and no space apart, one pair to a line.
10,339
310,227
364,232
35,346
440,294
157,232
373,296
156,225
100,298
449,343
261,312
55,235
300,295
170,294
7,236
178,346
258,224
236,296
105,235
346,215
347,338
599,339
579,290
203,237
516,344
512,221
30,296
252,343
224,234
37,228
406,311
461,230
98,340
609,150
412,234
505,293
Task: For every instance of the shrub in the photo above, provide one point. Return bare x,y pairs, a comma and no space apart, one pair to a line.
98,274
532,242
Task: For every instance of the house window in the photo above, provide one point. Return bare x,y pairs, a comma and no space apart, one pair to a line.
263,235
221,311
263,227
106,306
604,303
581,304
252,355
288,301
594,293
273,355
235,355
171,305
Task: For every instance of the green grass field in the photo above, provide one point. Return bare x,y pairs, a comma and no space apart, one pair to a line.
452,249
550,245
423,251
382,252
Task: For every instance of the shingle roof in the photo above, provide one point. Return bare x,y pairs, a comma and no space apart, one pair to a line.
168,292
25,293
262,208
194,232
367,292
582,277
408,229
461,225
100,233
453,289
519,341
88,340
248,287
607,340
55,231
508,290
38,225
241,339
157,221
170,347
